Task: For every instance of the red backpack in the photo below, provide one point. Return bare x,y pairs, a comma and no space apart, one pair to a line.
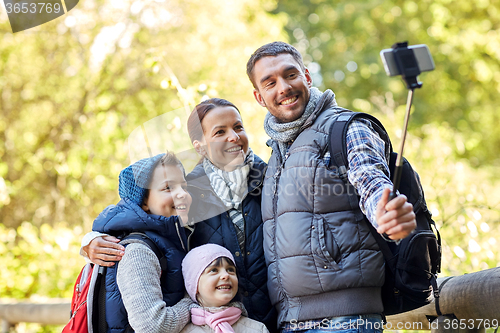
79,317
88,305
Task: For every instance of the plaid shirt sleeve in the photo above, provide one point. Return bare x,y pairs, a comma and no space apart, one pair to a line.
368,166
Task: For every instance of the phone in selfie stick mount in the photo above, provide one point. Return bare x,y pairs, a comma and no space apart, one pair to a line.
409,62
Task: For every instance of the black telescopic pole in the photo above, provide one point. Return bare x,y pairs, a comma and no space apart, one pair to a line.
399,160
408,67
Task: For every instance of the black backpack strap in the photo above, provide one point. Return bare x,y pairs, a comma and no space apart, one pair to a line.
338,156
152,245
437,294
99,314
337,140
337,146
99,323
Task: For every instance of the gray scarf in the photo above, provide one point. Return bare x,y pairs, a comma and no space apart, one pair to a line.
230,186
283,133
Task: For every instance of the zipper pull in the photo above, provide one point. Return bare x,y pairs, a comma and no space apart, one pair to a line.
72,323
275,179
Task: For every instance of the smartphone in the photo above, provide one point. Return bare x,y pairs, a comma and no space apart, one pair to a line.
422,55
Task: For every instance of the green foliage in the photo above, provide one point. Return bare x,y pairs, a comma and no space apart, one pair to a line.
75,91
452,143
345,37
75,88
39,262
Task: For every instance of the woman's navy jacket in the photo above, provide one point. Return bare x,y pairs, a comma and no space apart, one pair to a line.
167,233
213,225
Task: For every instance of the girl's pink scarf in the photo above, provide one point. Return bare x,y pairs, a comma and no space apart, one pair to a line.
220,322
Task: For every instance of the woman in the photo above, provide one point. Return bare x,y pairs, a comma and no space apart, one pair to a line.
226,190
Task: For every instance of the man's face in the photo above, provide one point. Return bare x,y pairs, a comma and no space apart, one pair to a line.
282,86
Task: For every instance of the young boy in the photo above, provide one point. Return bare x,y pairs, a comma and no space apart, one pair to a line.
154,202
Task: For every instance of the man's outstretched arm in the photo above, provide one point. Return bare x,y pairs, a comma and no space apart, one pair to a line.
369,174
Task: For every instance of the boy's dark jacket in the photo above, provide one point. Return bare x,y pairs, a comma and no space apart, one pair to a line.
213,225
168,235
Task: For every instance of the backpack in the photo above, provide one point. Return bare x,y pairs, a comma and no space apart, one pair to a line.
88,308
411,266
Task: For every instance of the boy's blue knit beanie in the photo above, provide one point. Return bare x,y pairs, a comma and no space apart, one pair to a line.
134,179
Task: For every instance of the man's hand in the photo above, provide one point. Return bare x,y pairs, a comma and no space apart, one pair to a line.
395,218
105,250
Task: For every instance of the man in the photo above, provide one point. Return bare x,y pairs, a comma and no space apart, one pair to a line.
324,268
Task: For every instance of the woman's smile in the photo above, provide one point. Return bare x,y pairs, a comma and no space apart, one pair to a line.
224,142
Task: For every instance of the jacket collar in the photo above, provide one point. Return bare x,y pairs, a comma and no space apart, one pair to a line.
126,216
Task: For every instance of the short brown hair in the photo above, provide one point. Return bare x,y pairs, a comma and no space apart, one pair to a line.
272,50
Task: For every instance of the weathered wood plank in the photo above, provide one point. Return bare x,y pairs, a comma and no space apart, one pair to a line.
50,312
473,297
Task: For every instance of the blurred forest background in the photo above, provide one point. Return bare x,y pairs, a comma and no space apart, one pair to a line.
74,91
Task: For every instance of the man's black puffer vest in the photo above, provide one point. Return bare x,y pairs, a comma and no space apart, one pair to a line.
213,225
322,260
166,232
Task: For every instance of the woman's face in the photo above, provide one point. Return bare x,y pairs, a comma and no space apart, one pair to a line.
224,141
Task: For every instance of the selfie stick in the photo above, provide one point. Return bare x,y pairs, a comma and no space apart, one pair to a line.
408,67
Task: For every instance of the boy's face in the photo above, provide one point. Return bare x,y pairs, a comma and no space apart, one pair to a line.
282,86
218,284
168,195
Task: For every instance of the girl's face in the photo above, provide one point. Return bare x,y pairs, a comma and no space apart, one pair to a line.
168,195
218,284
224,141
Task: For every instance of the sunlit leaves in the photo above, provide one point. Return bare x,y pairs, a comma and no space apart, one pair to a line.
463,39
453,141
74,89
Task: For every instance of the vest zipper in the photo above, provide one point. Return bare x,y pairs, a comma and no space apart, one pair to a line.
191,230
179,235
276,177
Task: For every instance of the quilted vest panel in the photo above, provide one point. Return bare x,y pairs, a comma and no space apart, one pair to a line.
313,239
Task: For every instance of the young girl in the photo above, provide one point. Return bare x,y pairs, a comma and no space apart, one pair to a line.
154,196
211,281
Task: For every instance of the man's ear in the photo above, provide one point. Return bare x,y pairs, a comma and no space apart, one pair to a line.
308,78
145,207
200,149
258,98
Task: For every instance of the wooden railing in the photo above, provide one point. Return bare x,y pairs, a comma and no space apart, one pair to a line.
50,312
470,303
